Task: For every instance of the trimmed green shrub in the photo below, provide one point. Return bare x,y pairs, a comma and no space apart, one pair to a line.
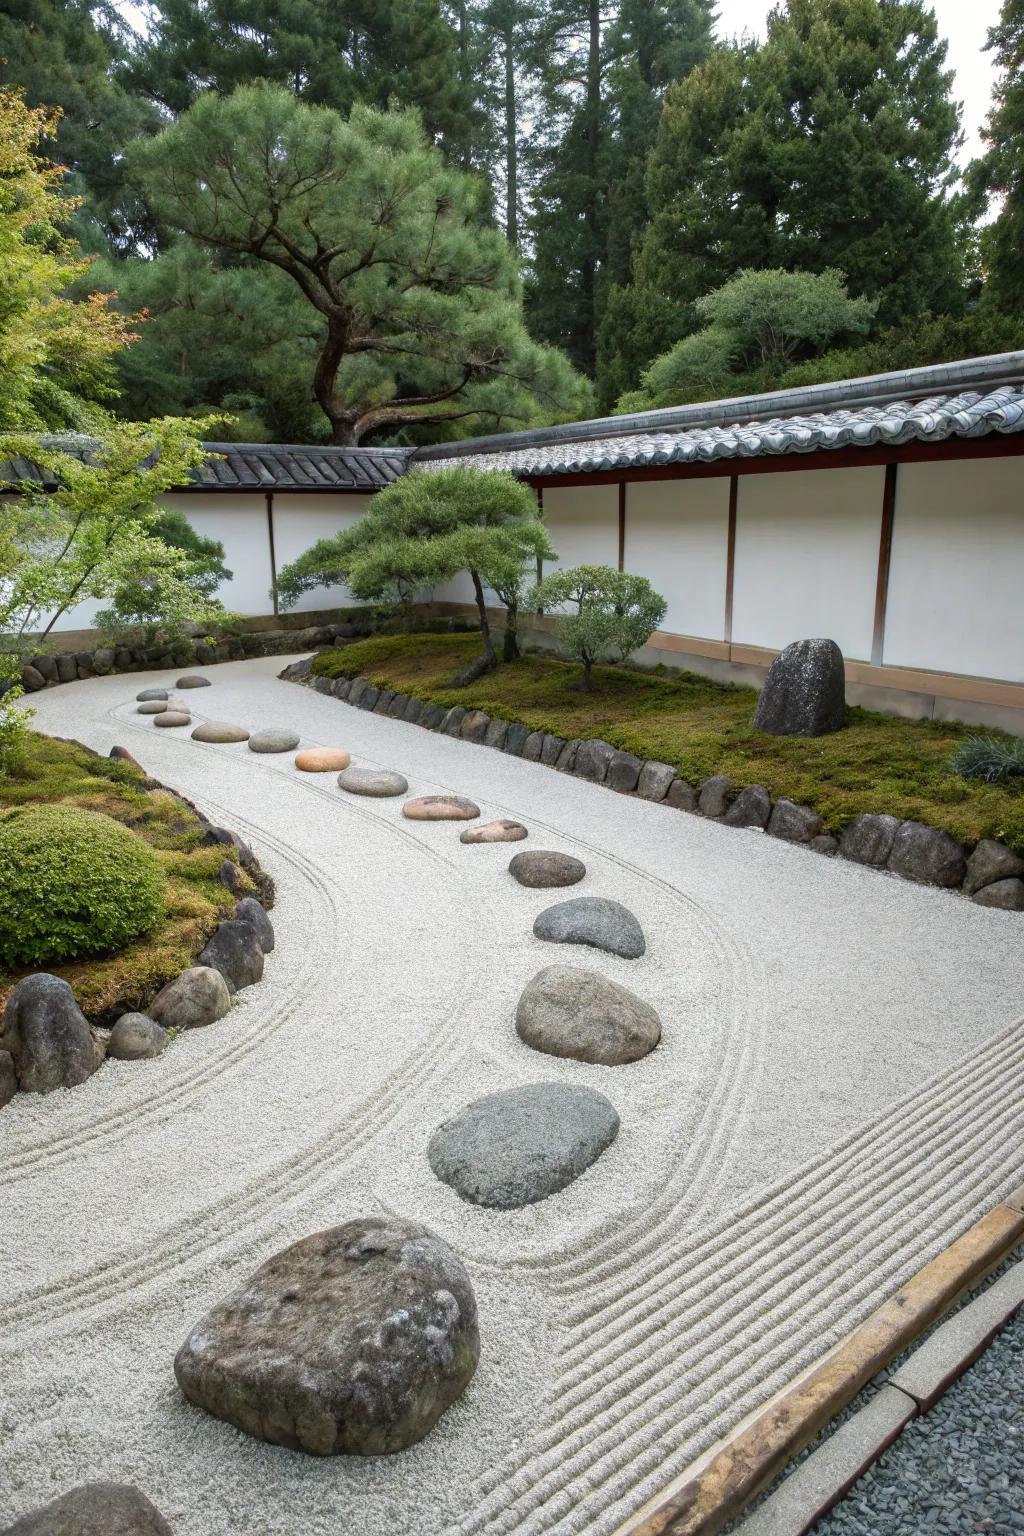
988,758
73,882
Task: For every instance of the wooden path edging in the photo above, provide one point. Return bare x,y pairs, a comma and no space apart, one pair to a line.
717,1487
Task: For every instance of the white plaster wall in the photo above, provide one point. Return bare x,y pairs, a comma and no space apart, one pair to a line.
807,558
240,523
677,535
957,569
583,525
300,519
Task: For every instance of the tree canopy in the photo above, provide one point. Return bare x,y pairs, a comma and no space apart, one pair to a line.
410,300
1001,171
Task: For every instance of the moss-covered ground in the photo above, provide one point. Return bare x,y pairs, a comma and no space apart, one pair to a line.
62,772
702,727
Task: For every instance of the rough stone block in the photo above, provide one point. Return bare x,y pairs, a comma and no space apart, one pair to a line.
655,781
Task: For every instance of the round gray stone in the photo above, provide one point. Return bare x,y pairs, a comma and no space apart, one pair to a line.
192,680
250,911
136,1037
219,731
353,1341
47,1035
927,855
173,717
199,996
593,920
152,707
542,869
514,1148
376,782
274,740
1004,895
582,1015
235,951
149,694
991,862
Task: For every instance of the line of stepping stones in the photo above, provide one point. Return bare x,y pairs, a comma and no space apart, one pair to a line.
357,1339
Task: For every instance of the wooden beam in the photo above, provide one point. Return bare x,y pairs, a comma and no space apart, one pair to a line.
622,525
730,556
270,541
884,560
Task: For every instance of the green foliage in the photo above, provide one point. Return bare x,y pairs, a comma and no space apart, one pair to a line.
377,250
74,883
93,534
157,596
756,324
700,727
14,719
615,613
1000,173
991,758
829,145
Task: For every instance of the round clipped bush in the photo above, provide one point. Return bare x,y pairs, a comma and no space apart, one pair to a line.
72,883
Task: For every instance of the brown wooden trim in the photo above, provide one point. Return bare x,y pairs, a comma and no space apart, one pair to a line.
692,645
270,541
884,560
730,556
622,525
995,447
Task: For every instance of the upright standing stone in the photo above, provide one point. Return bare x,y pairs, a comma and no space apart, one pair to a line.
804,693
48,1036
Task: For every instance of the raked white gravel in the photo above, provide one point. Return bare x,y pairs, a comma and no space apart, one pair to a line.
837,1094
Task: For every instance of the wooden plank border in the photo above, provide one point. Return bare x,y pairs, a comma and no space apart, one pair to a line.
730,555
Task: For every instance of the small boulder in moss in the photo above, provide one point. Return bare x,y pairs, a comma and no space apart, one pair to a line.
73,883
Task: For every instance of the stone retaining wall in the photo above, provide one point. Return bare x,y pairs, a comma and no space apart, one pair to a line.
989,872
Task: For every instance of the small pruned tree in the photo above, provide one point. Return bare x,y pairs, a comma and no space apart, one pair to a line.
613,613
424,529
148,599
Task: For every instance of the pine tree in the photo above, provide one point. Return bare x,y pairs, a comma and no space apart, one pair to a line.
829,146
1001,171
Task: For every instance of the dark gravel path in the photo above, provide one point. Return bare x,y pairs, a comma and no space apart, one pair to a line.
959,1469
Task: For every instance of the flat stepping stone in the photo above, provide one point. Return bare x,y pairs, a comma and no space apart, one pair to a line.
595,921
583,1016
351,1342
149,694
377,782
322,760
495,832
542,869
514,1148
193,680
173,717
274,741
440,808
152,707
219,731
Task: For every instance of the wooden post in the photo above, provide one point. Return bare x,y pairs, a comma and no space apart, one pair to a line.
730,556
270,540
884,561
622,525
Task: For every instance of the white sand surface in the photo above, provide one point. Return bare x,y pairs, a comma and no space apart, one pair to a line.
837,1095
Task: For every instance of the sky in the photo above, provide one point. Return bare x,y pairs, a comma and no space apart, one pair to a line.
964,24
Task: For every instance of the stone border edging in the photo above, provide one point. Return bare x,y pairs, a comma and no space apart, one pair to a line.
717,1487
989,873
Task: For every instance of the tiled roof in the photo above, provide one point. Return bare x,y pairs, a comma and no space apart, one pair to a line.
262,467
975,413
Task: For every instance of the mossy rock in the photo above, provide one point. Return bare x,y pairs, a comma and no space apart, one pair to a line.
73,883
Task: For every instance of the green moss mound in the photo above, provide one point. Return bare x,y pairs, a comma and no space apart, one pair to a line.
73,882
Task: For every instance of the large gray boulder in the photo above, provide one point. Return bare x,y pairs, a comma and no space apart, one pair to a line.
250,911
199,996
353,1341
592,761
716,795
794,823
624,772
544,869
513,1148
581,1015
804,693
236,952
8,1078
991,862
751,808
47,1035
595,921
655,781
1004,895
927,855
94,1509
868,839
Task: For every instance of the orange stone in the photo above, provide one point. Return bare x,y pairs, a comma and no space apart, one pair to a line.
322,759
